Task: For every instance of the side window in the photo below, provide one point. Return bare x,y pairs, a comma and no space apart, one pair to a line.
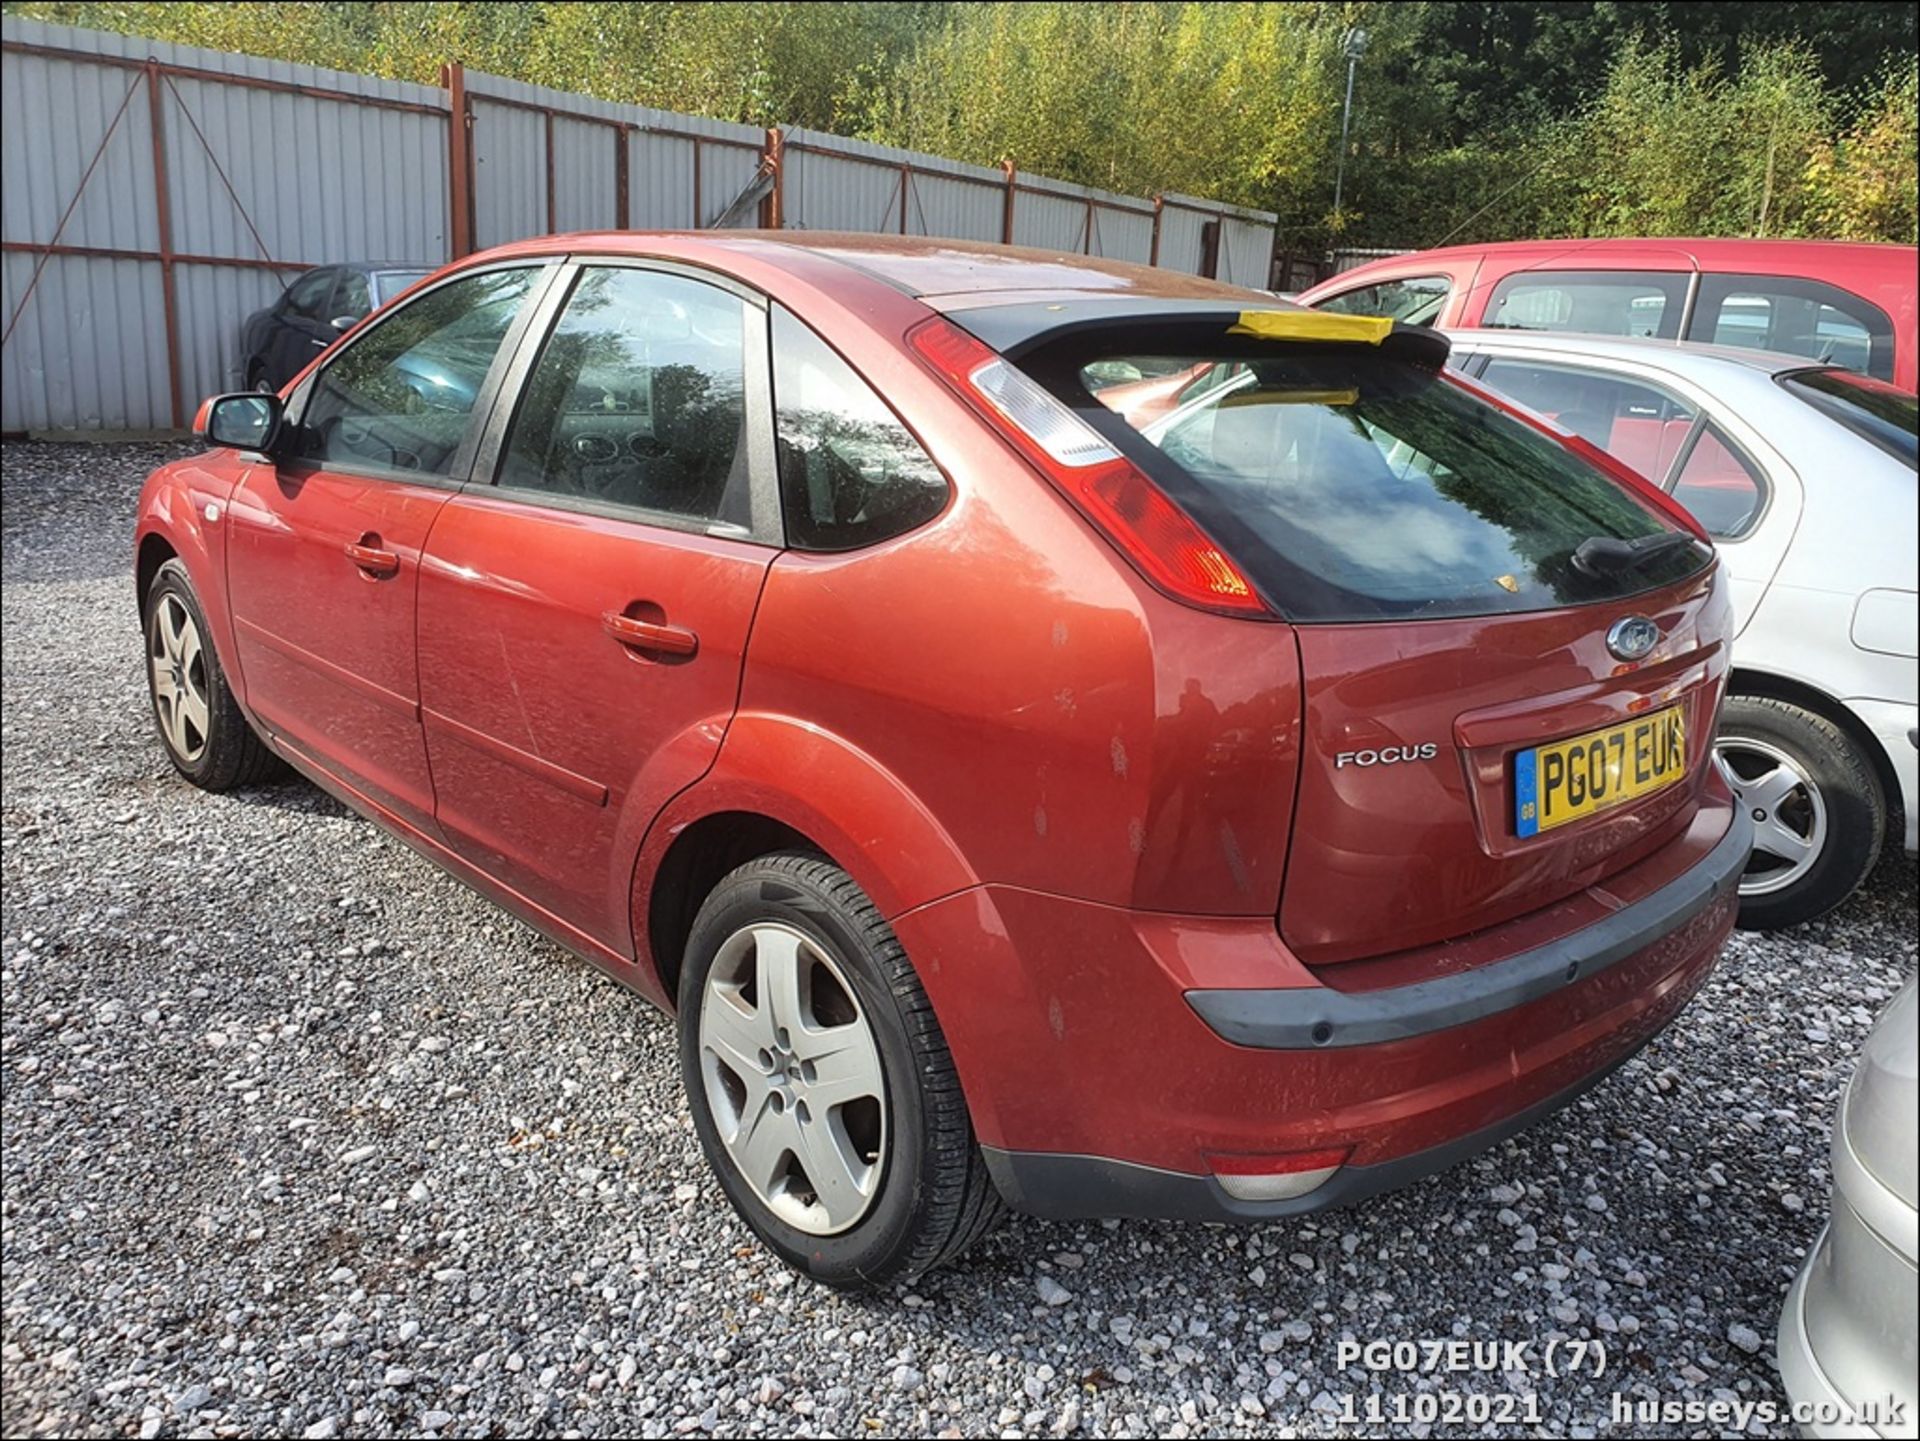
639,399
307,296
1594,302
1723,489
1796,317
401,396
1417,300
352,298
1644,425
850,473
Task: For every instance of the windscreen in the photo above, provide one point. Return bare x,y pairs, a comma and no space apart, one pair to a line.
1351,484
1873,410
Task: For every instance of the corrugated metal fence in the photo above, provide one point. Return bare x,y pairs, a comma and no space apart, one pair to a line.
155,195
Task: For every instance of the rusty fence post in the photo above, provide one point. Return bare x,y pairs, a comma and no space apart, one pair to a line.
553,187
1007,202
773,208
453,79
163,207
622,142
1153,250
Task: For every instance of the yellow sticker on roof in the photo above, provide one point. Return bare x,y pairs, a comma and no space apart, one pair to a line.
1312,325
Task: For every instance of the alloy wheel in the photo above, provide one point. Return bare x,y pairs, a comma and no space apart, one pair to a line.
792,1075
177,663
1789,813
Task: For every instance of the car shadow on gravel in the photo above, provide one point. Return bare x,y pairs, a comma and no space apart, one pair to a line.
296,795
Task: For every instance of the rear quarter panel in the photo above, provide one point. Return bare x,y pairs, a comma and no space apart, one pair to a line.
1062,726
1855,534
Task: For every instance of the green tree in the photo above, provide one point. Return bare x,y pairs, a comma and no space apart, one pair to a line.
1862,185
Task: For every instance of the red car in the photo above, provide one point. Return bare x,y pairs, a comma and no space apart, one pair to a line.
1221,819
1840,303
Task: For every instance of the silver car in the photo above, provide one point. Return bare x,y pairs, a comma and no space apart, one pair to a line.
1847,1343
1804,474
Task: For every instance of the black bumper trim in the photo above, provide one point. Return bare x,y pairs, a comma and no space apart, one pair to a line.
1079,1188
1316,1017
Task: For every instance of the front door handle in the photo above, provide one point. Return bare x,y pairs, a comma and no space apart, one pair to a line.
373,560
647,635
321,344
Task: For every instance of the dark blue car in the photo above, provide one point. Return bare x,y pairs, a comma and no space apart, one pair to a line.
276,343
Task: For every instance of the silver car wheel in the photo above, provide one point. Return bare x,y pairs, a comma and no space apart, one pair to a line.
177,666
792,1076
1789,814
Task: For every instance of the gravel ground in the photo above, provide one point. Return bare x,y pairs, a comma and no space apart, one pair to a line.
303,1138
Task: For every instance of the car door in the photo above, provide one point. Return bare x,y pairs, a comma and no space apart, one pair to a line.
300,331
584,619
324,543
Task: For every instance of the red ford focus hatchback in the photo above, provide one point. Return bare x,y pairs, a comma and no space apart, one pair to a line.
1221,817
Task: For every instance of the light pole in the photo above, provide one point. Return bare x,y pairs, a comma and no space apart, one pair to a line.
1355,45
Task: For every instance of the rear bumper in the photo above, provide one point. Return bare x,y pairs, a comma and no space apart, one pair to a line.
1098,1089
1070,1187
1304,1019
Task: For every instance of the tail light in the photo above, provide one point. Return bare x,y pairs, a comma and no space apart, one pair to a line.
1632,479
1153,533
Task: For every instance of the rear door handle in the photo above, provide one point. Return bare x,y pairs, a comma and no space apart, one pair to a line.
372,559
646,635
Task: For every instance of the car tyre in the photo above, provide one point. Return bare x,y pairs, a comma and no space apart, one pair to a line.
1817,809
789,963
257,380
207,736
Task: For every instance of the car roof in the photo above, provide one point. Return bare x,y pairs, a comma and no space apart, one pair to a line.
1670,354
1707,249
947,274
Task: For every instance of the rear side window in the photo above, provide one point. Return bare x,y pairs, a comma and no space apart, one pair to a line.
850,472
1795,317
1362,486
1639,424
1724,490
1593,302
1417,300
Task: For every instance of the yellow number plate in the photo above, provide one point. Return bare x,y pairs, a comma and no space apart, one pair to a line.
1569,779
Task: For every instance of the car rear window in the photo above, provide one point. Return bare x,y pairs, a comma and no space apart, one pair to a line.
1352,484
1873,410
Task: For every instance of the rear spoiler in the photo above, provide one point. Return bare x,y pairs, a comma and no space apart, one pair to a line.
1017,329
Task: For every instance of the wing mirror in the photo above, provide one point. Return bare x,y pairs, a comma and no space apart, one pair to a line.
249,420
344,323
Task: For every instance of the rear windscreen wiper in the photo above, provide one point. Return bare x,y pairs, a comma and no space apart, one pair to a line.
1604,555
